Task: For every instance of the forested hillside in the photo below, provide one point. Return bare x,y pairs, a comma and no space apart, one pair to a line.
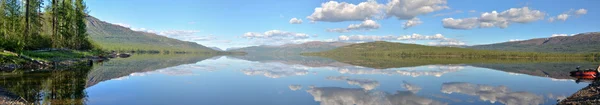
115,37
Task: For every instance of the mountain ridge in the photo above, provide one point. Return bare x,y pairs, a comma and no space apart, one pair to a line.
579,43
114,37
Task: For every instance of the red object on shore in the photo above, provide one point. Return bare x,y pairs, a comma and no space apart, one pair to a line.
584,73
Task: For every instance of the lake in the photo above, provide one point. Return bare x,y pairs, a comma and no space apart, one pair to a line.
292,80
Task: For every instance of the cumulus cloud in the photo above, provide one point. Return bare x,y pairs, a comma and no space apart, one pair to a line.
334,11
365,25
564,16
295,21
412,22
495,19
468,23
350,96
409,9
581,12
366,84
493,94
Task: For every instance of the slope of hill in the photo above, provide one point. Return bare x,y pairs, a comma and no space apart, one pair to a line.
115,37
580,43
314,46
390,49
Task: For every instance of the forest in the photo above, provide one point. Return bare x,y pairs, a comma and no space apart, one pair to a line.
33,25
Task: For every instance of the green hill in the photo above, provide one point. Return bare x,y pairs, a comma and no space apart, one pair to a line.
114,37
580,43
396,50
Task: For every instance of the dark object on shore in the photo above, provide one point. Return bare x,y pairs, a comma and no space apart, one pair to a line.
126,55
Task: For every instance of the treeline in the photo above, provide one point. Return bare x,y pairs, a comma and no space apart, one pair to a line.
31,25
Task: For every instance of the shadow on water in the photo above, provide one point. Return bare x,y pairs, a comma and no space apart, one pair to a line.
67,85
64,86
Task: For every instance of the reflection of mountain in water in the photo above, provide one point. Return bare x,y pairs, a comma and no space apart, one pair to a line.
116,68
493,94
352,96
557,70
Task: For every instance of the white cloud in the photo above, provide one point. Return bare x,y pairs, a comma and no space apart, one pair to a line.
551,19
275,34
408,9
468,23
472,11
365,25
412,22
123,25
495,19
390,37
581,12
334,11
178,32
514,40
562,17
557,35
448,42
295,21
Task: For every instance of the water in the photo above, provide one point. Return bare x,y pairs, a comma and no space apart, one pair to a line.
291,80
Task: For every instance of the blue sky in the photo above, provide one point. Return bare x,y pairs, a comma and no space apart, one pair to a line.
226,23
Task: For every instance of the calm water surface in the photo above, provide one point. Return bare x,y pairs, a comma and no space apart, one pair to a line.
226,80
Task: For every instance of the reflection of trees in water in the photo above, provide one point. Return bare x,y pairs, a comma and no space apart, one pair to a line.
493,94
357,96
49,87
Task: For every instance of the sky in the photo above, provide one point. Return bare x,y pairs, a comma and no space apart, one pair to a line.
241,23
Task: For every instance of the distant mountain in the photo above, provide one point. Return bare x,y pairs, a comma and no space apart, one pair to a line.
580,43
315,46
216,48
115,37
